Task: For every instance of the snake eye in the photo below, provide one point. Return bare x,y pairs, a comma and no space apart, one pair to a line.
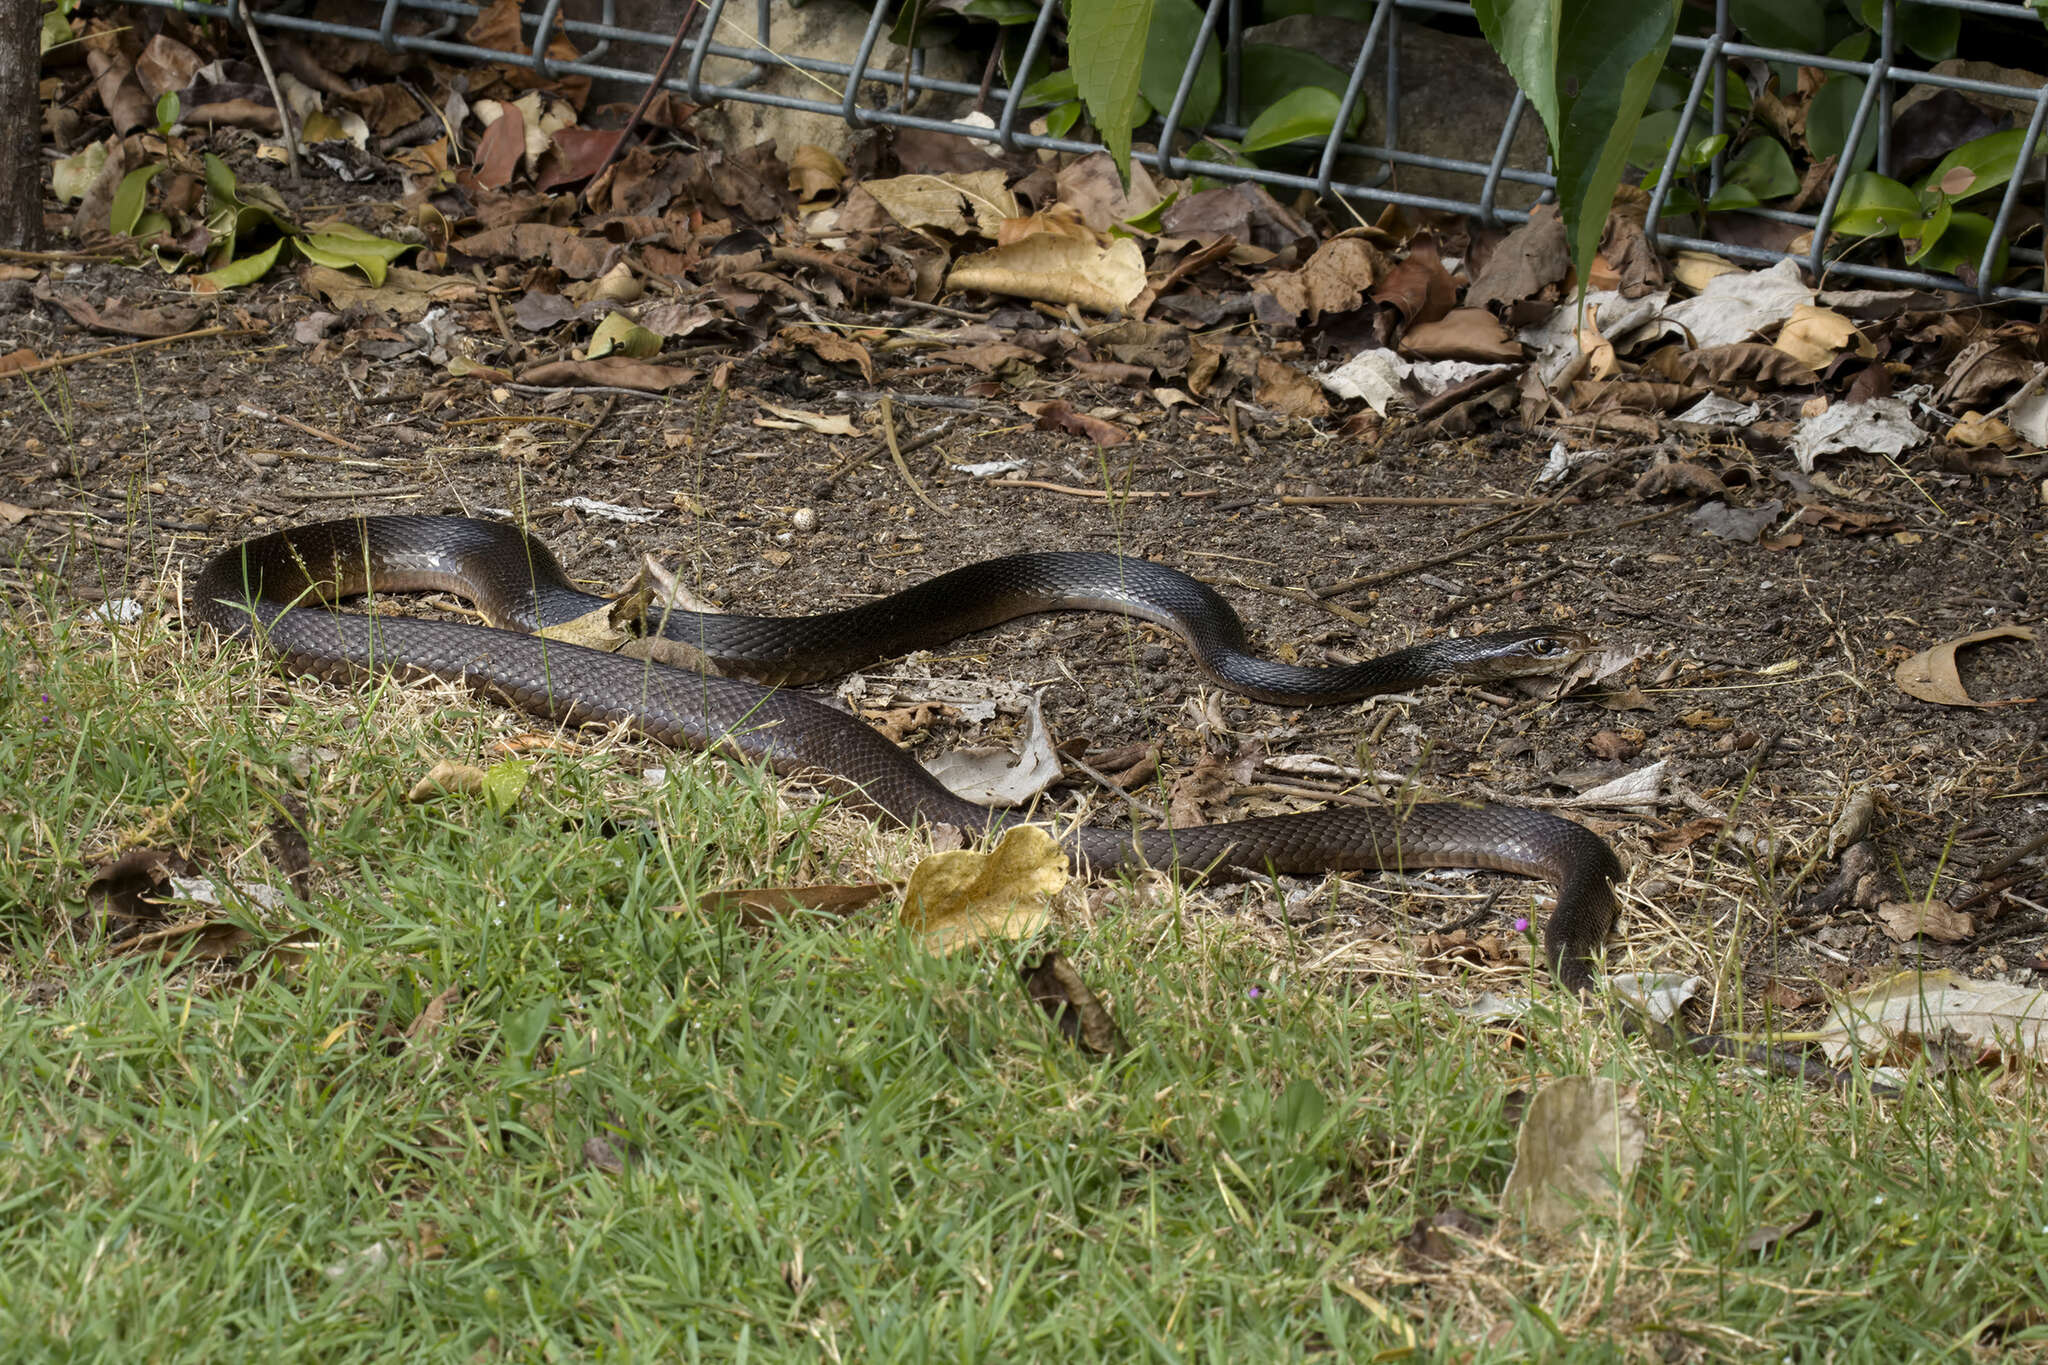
1550,646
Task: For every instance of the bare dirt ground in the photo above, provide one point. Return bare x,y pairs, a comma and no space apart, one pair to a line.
1764,680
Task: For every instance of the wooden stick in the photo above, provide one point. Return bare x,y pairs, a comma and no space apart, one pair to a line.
888,414
81,357
1074,492
251,410
123,348
1350,500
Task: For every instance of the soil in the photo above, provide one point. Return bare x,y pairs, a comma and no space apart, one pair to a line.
1764,679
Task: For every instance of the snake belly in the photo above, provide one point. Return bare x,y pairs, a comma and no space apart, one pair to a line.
281,587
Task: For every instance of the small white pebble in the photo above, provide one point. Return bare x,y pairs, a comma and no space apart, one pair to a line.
804,520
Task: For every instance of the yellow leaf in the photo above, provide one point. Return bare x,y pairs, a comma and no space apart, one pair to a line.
960,898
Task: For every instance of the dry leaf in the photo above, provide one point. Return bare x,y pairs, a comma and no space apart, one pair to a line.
794,419
815,174
1907,920
1931,675
971,201
829,347
1973,430
1075,1010
1000,775
1286,389
1813,336
1463,334
1741,362
1575,1152
448,778
2004,1021
1102,279
958,899
615,371
1058,415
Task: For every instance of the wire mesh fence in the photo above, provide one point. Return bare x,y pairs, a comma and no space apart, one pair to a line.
866,92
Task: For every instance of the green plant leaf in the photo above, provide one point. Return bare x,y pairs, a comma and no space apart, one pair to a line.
1106,48
1828,119
1961,248
1154,218
1001,11
167,109
129,198
1873,205
1588,66
1763,168
525,1031
1058,88
1798,24
1308,112
1175,24
1061,121
56,30
1270,72
248,270
1990,161
1922,240
220,181
504,783
1731,197
342,246
1301,1108
619,333
72,176
1931,33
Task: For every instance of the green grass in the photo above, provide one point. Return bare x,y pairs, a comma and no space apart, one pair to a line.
833,1146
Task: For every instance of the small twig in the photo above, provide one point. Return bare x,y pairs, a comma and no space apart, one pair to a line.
1471,388
1540,537
284,111
1994,888
251,410
2028,849
888,412
653,395
61,257
1413,566
1306,598
583,437
654,83
919,305
81,357
1109,785
366,494
1450,609
379,466
1074,492
1349,500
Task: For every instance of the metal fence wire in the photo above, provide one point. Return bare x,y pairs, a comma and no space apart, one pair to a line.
875,95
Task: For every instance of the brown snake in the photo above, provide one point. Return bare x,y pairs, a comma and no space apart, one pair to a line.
263,585
517,585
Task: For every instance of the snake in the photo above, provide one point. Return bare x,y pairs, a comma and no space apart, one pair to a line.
283,587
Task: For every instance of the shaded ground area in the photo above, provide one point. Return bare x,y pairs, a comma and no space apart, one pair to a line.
1761,679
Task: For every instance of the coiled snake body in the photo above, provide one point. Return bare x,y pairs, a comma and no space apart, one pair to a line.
265,584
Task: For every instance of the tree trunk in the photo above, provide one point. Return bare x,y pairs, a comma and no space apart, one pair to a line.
21,126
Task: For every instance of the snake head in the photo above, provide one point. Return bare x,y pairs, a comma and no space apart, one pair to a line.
1525,653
